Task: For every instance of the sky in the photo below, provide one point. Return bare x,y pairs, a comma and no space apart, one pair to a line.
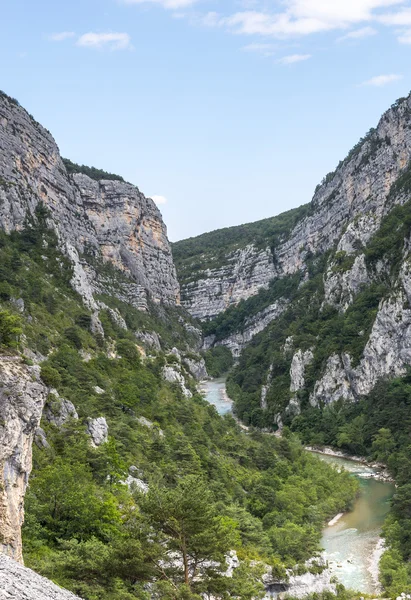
224,111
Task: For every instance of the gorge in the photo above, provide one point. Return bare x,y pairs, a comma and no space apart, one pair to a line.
119,480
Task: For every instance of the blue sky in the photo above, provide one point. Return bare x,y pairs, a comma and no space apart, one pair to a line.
228,111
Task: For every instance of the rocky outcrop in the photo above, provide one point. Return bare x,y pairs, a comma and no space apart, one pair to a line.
341,287
59,410
22,398
196,367
19,583
96,221
98,431
346,212
246,271
335,382
237,341
173,374
297,371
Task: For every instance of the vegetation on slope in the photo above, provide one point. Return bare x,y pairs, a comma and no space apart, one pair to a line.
210,250
92,172
212,488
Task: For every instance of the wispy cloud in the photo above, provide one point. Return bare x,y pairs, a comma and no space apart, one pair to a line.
305,17
112,41
293,58
381,80
159,200
358,34
169,4
264,49
61,36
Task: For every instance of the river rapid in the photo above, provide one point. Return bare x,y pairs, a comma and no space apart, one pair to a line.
351,542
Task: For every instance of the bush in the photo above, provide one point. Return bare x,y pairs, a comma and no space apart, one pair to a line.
50,376
10,329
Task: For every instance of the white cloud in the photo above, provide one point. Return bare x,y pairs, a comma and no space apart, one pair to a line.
113,41
304,17
61,36
159,200
358,34
381,80
293,58
402,17
211,19
264,49
170,4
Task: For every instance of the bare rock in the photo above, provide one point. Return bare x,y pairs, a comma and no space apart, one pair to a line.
98,431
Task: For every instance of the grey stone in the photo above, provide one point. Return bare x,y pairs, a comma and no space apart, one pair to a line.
111,221
19,583
22,398
59,410
98,431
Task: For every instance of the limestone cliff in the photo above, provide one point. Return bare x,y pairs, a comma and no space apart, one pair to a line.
104,221
19,583
345,243
22,398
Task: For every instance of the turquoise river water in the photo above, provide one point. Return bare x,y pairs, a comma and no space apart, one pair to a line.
352,545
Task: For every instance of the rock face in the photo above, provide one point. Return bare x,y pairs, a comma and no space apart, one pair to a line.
19,583
245,272
173,374
22,398
237,341
98,431
59,410
346,212
96,221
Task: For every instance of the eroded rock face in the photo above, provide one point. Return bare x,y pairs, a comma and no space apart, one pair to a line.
172,374
19,583
108,220
247,270
22,398
59,410
196,367
335,382
98,431
236,342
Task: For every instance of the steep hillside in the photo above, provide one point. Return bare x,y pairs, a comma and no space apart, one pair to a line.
334,293
103,221
129,484
323,342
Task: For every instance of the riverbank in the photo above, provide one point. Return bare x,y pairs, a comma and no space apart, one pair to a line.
378,471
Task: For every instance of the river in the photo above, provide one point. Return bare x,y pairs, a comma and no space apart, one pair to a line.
352,545
215,394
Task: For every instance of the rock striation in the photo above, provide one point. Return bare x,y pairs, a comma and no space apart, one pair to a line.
347,210
19,583
97,222
22,398
244,273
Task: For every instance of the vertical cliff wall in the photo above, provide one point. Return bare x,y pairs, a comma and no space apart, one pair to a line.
108,220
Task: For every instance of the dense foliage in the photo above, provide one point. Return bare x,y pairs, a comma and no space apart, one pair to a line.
92,172
212,488
209,251
218,360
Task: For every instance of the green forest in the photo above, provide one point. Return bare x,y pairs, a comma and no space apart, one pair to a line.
212,489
